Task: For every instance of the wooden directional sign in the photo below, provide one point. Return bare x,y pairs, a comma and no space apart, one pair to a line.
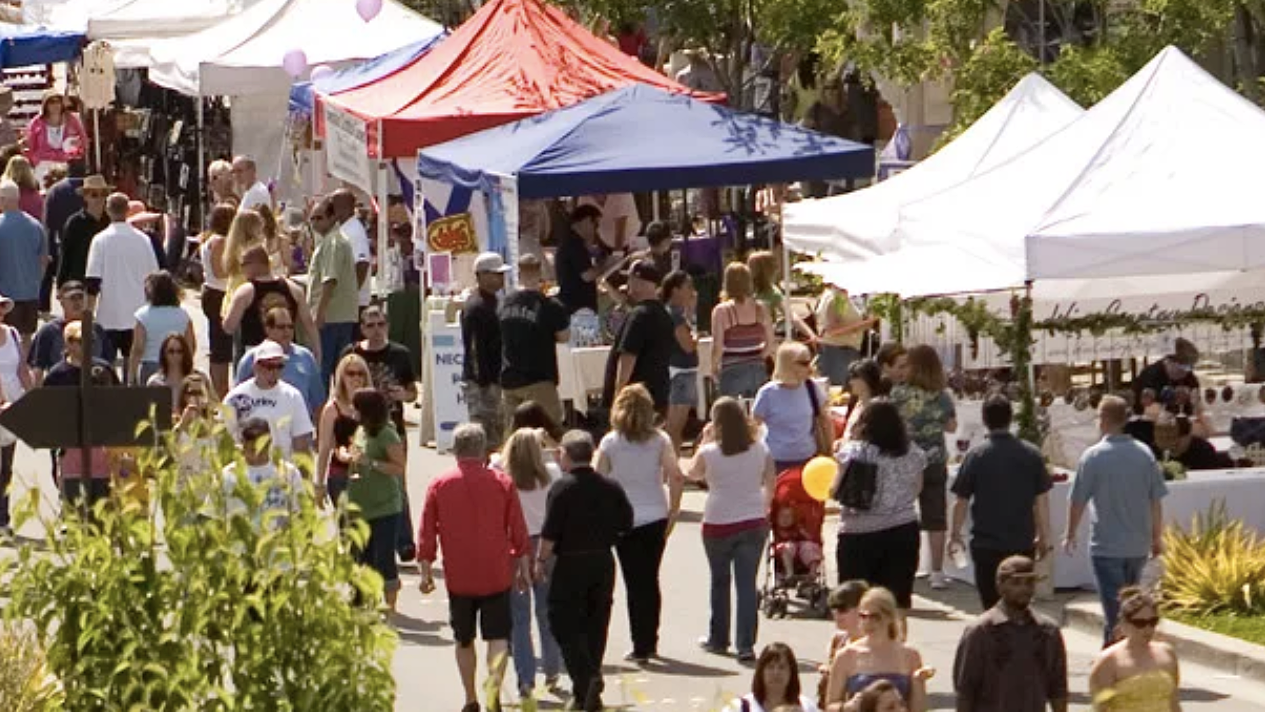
50,417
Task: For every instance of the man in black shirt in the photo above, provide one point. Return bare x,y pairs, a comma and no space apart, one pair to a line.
1007,485
1163,377
585,516
391,371
644,346
77,232
573,263
481,337
531,326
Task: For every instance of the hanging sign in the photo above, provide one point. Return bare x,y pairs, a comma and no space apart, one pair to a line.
347,148
447,396
453,233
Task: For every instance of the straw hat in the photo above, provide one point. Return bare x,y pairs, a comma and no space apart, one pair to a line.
94,182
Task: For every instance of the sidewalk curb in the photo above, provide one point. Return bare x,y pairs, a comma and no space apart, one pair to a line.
1221,652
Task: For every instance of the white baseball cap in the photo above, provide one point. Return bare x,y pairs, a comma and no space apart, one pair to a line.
490,262
270,351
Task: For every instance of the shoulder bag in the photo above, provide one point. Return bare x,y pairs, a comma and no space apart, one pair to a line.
823,432
858,486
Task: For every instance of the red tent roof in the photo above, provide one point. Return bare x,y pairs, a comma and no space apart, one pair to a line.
511,60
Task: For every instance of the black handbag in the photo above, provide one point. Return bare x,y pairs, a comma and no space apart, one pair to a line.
1248,431
859,485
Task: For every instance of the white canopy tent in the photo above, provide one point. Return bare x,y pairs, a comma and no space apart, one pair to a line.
862,224
133,27
1127,189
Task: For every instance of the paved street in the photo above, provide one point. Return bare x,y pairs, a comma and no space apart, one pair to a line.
687,678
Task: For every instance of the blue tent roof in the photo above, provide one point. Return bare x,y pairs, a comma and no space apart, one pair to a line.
639,139
302,94
26,45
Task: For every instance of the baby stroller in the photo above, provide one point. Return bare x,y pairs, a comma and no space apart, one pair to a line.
805,581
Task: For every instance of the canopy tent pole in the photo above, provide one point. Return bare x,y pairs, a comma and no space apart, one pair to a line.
205,189
384,226
96,133
786,275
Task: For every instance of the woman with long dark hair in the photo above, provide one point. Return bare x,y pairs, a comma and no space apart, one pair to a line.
214,286
880,544
163,315
865,383
377,464
739,474
176,364
775,684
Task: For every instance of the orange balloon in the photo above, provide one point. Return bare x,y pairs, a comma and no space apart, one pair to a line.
818,476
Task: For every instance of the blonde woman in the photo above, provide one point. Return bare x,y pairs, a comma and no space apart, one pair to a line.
641,458
246,231
524,461
278,244
790,406
881,654
19,171
742,336
337,426
1137,673
763,266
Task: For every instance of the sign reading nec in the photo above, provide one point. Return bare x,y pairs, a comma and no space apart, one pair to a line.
442,359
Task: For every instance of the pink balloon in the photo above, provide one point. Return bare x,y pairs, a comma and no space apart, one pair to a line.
295,63
368,9
320,70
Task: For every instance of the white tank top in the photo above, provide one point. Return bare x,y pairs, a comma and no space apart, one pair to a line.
209,279
10,360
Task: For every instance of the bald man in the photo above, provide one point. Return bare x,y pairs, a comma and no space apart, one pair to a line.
246,178
344,204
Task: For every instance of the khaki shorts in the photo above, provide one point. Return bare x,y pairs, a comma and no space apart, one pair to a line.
545,393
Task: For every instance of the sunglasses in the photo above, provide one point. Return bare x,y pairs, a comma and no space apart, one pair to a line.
868,615
804,362
358,374
272,366
1144,622
283,327
175,351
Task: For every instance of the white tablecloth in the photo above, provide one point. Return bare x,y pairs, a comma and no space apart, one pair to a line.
1243,492
582,371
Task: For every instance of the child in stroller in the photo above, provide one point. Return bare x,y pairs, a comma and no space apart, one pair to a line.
795,550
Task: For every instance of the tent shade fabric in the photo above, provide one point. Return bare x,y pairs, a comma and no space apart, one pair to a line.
641,138
863,224
243,55
134,27
302,99
1130,188
23,46
511,60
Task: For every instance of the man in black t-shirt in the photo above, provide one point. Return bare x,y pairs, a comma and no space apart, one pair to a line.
644,346
391,371
573,263
532,324
1163,377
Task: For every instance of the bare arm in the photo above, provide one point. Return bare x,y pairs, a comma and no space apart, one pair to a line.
959,518
134,355
685,339
362,273
327,293
394,464
917,683
1074,513
602,463
718,338
563,336
672,475
1101,676
241,300
305,318
1157,527
191,336
841,668
623,370
766,321
325,441
1041,515
770,482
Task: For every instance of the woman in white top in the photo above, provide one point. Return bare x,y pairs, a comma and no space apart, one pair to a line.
214,286
775,684
739,473
524,461
15,381
640,457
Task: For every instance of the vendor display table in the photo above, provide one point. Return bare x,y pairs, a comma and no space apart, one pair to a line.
582,371
1242,491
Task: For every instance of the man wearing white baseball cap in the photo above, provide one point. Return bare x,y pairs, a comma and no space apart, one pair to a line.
267,396
481,337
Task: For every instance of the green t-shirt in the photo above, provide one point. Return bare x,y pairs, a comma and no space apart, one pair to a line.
333,259
376,493
772,301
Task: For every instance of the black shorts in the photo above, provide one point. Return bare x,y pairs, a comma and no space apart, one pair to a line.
221,341
933,515
492,613
25,317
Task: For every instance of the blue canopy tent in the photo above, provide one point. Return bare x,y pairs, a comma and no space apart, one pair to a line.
639,139
26,45
303,94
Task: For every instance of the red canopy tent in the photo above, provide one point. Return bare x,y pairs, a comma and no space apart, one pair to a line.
511,60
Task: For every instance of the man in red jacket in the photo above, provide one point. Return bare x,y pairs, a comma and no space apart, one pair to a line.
473,511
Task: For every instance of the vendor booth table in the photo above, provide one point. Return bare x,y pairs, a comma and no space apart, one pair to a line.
582,372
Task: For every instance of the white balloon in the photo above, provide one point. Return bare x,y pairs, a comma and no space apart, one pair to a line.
295,63
368,9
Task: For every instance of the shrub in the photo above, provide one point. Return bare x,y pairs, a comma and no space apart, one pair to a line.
206,606
1218,566
25,683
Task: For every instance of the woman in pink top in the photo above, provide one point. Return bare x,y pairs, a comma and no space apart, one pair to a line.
57,134
19,171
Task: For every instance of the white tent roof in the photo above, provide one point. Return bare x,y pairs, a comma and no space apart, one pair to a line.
133,27
1130,188
243,55
861,224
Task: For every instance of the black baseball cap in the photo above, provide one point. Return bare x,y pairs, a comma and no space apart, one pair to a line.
645,269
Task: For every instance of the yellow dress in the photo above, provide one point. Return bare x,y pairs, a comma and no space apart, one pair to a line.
1150,691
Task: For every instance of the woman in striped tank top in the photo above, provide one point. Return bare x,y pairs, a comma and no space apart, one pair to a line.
742,332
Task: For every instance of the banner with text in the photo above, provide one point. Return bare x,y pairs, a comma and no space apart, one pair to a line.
347,148
447,397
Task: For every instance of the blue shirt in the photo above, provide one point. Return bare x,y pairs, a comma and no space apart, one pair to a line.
301,371
159,322
787,414
1120,476
23,246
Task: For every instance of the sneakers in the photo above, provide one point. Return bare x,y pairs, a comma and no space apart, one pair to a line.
746,656
939,581
639,658
705,644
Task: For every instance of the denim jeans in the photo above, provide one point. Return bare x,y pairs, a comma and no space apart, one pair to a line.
521,606
833,362
736,559
334,338
1112,574
742,380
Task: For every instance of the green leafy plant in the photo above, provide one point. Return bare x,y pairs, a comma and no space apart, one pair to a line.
1215,567
25,682
202,602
